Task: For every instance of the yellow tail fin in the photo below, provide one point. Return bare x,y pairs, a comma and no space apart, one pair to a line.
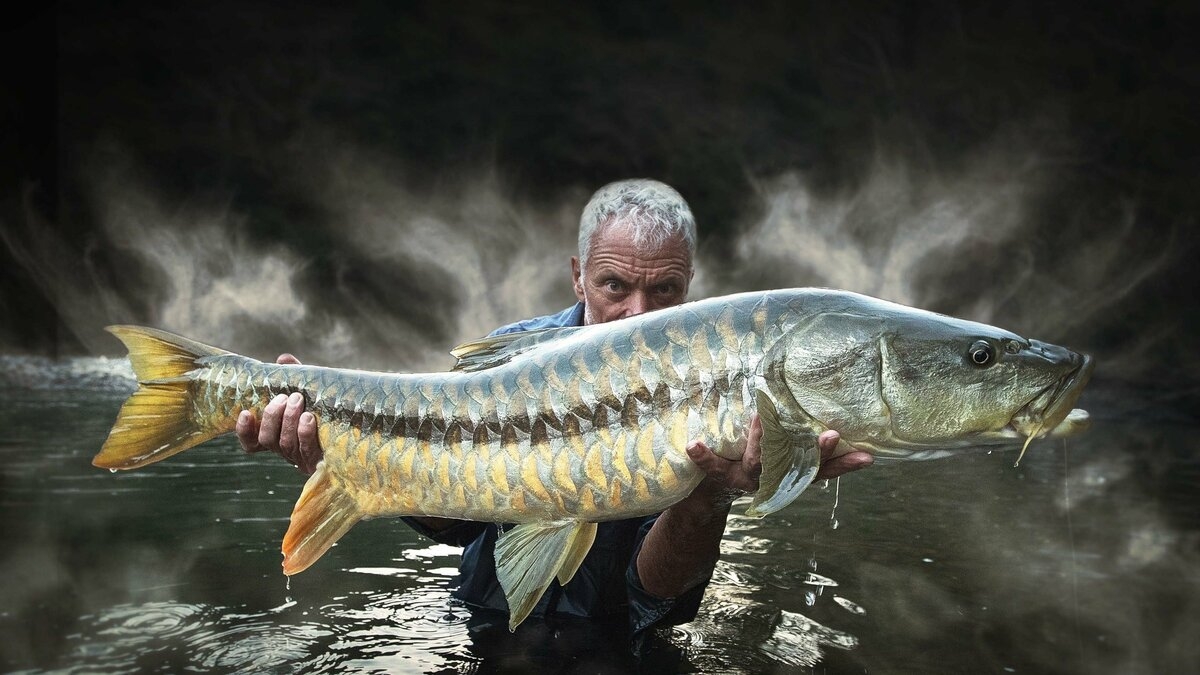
157,421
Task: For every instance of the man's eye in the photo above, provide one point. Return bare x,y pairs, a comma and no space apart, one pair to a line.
612,286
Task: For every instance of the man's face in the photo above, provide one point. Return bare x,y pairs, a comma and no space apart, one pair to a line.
620,281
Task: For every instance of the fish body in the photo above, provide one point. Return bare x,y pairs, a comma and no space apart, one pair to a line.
559,429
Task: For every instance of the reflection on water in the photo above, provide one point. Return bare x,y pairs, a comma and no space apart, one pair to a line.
1082,560
732,622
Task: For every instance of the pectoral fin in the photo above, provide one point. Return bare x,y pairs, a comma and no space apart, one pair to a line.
530,555
790,460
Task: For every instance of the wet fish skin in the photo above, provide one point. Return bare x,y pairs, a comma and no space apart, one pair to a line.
561,429
533,439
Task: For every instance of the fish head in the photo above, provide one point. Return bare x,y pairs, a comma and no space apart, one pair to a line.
897,381
948,382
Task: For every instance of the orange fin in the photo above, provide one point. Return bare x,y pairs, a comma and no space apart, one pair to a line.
156,422
321,516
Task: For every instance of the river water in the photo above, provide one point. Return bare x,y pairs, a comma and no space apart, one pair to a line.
1084,559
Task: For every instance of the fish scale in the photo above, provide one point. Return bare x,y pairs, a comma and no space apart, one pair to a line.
370,407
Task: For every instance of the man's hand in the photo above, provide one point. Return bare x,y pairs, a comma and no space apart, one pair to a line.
682,547
832,467
741,475
286,429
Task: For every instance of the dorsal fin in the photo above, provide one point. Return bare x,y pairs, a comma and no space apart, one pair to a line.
496,350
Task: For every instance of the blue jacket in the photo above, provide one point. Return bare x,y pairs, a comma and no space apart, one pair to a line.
607,582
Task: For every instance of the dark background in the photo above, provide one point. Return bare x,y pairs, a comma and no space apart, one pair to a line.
239,108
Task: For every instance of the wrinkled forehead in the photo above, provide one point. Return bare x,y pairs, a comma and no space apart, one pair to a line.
634,234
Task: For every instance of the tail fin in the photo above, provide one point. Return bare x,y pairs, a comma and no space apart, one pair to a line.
156,422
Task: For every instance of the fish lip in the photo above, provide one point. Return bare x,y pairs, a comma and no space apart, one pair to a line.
1068,393
1063,396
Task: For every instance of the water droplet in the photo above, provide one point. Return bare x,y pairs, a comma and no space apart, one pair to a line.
112,470
817,580
848,605
837,495
927,560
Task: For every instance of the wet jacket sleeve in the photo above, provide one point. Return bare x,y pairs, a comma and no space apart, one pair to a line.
647,612
460,534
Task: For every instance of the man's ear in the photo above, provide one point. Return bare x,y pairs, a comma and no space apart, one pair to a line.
577,277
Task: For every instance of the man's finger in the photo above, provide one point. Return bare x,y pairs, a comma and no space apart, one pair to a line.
310,446
247,432
288,445
272,421
732,473
699,453
708,461
286,359
753,454
828,442
756,429
845,464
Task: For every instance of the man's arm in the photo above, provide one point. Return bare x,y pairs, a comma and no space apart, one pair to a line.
681,549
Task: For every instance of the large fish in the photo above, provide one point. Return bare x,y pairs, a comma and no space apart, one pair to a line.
556,430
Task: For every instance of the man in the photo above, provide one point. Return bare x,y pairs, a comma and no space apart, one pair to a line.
637,241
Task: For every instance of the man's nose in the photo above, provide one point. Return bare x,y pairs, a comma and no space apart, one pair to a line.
638,304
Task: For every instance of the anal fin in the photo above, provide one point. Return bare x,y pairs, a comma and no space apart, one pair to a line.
529,556
323,513
790,461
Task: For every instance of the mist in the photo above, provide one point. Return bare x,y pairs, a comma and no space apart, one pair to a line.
410,272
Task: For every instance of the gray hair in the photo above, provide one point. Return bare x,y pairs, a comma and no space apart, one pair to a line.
654,210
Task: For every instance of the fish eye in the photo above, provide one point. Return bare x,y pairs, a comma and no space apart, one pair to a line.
981,353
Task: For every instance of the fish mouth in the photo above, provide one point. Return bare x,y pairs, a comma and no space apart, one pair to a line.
1051,412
